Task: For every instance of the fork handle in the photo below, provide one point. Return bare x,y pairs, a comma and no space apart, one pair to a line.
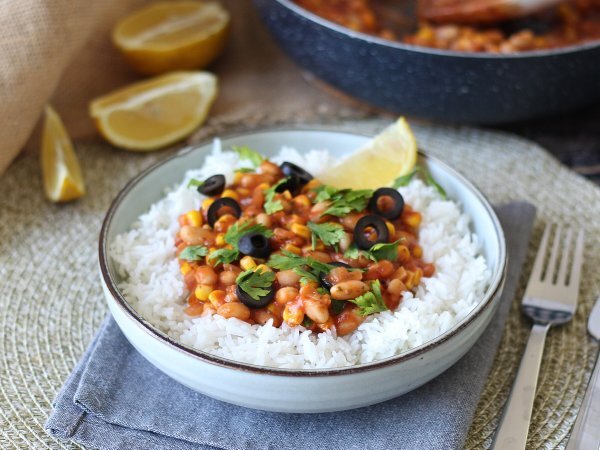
514,425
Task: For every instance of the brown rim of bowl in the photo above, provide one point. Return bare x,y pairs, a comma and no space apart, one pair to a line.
297,9
495,285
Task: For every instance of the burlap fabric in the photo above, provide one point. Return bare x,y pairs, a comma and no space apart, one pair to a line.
51,301
60,52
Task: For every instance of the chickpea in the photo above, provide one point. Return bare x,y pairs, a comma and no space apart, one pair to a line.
287,278
206,275
316,310
347,290
196,236
237,310
286,295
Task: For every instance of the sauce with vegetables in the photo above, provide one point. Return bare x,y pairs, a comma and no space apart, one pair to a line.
277,245
569,23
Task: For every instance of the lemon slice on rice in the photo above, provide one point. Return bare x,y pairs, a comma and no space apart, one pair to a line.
391,154
63,180
157,112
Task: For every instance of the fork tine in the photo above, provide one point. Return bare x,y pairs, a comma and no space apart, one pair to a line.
577,262
538,266
551,267
561,278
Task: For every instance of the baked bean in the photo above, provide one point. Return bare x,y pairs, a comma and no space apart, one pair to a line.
317,311
237,310
196,235
347,321
227,278
263,315
287,278
339,274
271,168
320,256
293,314
379,270
206,275
263,219
347,290
286,295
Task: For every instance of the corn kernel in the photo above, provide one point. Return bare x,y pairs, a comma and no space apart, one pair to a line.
312,184
412,219
300,230
209,261
417,251
286,194
391,228
292,248
185,268
244,192
237,177
220,240
207,202
247,263
263,268
194,218
302,200
202,292
217,298
263,186
231,194
403,253
320,246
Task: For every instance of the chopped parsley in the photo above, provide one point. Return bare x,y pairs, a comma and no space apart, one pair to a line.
195,183
193,253
244,170
308,268
377,252
342,201
271,205
255,283
405,179
370,302
233,236
329,233
354,252
246,153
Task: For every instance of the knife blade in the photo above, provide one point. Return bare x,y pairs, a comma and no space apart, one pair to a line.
586,430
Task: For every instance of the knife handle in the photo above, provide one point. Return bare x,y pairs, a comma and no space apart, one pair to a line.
514,425
586,430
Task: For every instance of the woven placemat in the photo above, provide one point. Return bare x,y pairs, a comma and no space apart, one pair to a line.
51,301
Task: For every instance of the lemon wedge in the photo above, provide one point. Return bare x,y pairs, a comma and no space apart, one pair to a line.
390,154
174,35
63,180
157,112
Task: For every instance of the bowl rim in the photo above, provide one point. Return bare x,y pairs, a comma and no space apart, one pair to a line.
495,286
567,49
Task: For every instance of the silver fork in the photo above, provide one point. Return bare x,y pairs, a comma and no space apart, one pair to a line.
550,299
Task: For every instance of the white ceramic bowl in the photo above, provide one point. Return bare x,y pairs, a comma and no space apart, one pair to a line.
297,390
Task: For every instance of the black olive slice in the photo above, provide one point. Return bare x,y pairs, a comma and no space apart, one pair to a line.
370,221
389,213
252,303
213,185
289,168
292,184
255,244
224,202
323,277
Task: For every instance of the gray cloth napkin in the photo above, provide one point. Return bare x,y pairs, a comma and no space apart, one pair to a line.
115,399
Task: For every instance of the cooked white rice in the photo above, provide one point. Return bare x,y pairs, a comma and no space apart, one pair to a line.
153,284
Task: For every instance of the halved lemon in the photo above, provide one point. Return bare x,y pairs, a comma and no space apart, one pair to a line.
390,154
176,35
154,113
63,180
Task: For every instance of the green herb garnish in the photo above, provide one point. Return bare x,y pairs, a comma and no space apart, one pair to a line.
387,251
342,201
307,322
370,302
255,283
354,252
233,236
271,205
246,153
195,183
329,233
405,179
244,170
308,268
193,253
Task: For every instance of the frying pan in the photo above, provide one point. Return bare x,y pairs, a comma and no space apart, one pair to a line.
444,85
